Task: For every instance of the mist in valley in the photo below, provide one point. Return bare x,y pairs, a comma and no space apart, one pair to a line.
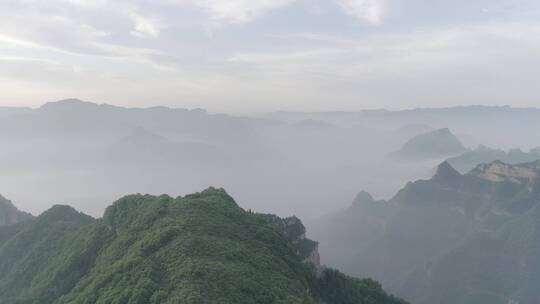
309,164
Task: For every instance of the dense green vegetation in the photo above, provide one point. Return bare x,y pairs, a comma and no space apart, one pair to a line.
201,248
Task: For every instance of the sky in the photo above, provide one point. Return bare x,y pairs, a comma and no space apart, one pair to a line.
266,55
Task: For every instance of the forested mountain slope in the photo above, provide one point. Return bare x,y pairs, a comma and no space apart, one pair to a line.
201,248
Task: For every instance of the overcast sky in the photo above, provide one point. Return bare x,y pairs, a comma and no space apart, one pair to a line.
263,55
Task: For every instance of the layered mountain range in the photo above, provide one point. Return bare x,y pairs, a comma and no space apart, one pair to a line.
89,153
482,154
455,238
200,248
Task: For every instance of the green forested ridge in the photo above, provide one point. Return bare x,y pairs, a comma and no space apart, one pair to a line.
201,248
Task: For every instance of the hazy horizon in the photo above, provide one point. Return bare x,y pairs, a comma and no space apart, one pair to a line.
257,56
39,104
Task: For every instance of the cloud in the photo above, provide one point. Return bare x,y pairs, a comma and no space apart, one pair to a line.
146,27
373,11
130,49
483,63
221,12
27,59
75,28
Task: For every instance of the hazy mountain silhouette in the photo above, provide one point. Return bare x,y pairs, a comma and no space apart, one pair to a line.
447,239
496,126
431,145
57,148
482,154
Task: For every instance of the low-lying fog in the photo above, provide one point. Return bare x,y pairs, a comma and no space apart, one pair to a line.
308,164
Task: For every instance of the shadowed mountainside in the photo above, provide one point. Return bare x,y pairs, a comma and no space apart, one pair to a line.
455,238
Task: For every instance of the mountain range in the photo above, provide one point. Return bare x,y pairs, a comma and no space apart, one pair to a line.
200,248
452,239
470,159
479,217
115,150
87,154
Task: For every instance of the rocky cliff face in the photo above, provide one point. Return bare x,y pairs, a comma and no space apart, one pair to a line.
489,188
295,231
498,172
9,214
484,155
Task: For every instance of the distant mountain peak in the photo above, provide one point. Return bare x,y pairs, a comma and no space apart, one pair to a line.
363,197
482,148
73,104
446,171
70,102
433,144
445,131
73,101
